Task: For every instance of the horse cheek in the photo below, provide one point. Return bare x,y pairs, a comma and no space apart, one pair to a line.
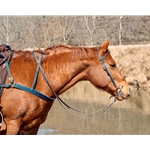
99,78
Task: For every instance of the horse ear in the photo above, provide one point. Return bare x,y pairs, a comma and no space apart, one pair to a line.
105,45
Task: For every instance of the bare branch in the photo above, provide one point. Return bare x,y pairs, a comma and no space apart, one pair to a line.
68,27
120,29
92,28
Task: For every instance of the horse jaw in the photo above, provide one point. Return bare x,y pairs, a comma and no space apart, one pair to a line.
72,82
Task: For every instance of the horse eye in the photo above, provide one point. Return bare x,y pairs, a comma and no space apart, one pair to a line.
113,65
106,51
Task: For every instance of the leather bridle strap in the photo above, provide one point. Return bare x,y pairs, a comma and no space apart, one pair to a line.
105,67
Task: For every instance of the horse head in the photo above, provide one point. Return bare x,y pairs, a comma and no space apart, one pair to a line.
105,74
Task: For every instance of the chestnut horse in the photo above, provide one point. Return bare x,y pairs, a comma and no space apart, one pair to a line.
64,66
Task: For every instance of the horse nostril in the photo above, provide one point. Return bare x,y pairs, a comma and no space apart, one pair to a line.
129,91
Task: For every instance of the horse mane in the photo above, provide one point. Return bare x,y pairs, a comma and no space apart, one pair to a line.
81,52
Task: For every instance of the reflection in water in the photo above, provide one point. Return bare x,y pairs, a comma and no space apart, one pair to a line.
46,131
130,116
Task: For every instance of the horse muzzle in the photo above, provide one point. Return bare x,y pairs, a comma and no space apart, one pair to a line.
123,93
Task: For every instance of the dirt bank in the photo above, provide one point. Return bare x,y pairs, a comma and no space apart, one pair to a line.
134,63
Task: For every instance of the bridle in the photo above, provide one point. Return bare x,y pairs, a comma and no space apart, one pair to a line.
105,67
32,90
118,89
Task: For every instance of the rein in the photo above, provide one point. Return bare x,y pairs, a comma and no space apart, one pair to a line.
32,90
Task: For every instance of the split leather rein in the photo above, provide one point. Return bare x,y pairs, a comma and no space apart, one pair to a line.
32,90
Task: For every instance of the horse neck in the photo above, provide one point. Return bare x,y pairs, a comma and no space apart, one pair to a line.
64,71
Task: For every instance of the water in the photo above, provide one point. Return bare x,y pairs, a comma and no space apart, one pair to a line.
129,117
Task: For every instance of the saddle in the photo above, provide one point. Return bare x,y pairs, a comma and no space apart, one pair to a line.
5,55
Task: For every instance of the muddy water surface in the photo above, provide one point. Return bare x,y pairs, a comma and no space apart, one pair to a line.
128,117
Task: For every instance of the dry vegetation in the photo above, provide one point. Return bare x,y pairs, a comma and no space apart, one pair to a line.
133,62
